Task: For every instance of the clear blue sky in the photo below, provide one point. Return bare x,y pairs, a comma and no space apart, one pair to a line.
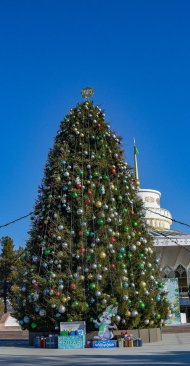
136,55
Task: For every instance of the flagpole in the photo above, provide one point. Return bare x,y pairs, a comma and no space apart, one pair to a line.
137,182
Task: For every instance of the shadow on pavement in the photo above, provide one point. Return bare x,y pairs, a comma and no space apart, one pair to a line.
169,358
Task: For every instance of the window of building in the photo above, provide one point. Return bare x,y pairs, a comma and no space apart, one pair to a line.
181,274
168,272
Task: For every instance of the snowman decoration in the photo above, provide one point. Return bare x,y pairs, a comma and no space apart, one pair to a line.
104,323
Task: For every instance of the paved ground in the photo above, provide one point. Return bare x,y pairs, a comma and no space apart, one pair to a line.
174,350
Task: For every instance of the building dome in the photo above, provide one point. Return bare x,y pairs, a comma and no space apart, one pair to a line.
156,217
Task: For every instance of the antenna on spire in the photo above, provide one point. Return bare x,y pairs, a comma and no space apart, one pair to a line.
136,152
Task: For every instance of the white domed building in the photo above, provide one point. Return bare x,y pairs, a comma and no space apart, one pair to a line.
173,247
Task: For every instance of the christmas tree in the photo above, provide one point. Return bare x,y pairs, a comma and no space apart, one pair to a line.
88,246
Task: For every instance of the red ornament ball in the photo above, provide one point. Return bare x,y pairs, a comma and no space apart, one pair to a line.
82,250
113,240
81,233
113,171
98,125
88,201
73,286
78,185
57,294
112,266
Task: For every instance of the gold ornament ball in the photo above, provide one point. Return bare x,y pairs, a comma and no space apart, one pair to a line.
112,186
143,284
60,254
64,299
102,255
90,276
58,178
82,278
117,234
98,204
151,322
128,314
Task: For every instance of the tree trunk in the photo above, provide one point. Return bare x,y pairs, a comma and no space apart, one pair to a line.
5,295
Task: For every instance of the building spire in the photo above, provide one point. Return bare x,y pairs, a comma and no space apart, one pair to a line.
136,152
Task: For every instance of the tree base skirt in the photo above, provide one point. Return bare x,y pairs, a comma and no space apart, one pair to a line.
148,335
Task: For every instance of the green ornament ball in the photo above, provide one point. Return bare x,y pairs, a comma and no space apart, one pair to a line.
88,257
33,325
74,195
100,221
141,305
92,286
75,304
86,233
105,177
161,285
126,229
120,256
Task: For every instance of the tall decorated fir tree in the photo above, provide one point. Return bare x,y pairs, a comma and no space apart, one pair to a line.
89,246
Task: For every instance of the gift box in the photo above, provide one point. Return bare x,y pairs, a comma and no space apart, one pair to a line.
137,342
121,342
104,344
52,342
42,342
70,342
128,342
88,344
37,342
72,333
64,333
79,332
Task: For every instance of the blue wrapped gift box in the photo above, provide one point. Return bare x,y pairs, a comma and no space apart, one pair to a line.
69,342
104,344
52,342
